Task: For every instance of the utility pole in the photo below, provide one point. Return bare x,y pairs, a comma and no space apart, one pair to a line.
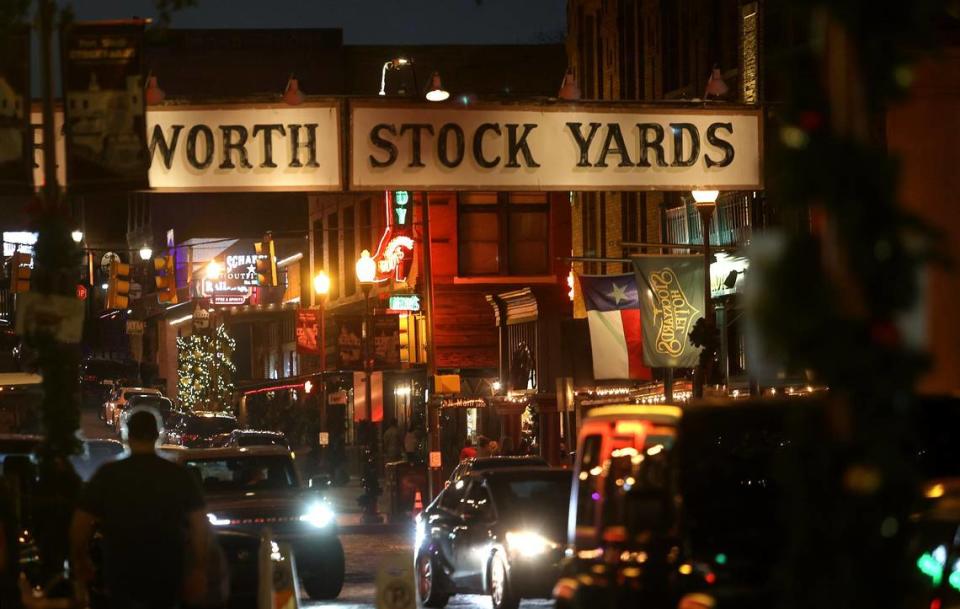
433,407
56,274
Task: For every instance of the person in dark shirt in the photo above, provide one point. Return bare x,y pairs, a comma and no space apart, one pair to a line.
152,517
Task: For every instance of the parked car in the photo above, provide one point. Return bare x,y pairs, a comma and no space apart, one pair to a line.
477,464
499,532
197,429
249,437
247,489
162,405
118,401
98,377
20,397
95,453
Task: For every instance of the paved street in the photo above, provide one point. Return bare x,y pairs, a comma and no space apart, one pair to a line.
364,551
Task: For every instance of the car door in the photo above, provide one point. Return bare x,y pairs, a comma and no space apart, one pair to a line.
441,522
471,536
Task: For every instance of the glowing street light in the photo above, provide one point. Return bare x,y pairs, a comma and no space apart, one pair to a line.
77,236
437,93
366,269
146,252
213,271
321,283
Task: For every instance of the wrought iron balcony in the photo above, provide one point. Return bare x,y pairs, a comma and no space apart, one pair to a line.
737,215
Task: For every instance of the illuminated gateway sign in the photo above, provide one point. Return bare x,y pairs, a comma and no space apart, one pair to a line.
263,148
390,146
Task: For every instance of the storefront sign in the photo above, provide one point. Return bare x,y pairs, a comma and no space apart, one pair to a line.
102,67
242,268
671,301
244,148
394,255
587,148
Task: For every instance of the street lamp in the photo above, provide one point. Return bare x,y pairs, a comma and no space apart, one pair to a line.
366,274
77,236
436,92
146,252
213,271
706,203
321,287
395,64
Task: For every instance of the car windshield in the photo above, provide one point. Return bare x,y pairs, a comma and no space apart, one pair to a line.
206,426
526,495
162,405
241,474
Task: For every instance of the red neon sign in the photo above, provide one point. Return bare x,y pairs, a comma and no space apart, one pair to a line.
394,255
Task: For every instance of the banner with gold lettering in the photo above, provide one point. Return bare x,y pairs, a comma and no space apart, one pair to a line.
103,105
671,301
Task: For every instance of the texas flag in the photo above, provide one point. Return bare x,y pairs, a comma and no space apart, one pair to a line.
612,307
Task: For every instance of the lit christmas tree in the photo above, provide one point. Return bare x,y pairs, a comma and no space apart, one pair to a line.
205,370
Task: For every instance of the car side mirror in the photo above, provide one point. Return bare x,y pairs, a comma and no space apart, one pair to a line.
319,482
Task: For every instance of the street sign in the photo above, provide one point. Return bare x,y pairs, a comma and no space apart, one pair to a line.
395,584
338,398
106,260
323,438
201,318
404,302
81,292
436,460
136,291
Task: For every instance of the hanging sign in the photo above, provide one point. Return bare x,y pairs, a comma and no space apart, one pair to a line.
501,147
15,141
244,148
671,301
308,333
403,303
103,105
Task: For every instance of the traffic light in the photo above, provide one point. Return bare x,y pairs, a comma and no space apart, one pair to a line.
20,272
166,278
118,285
266,261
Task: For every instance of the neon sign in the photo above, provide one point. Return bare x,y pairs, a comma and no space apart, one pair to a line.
394,255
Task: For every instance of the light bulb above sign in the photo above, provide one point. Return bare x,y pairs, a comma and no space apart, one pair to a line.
394,255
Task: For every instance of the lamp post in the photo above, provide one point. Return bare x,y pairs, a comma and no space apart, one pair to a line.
321,287
706,203
366,274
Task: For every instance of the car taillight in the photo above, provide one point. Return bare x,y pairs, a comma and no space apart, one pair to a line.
90,377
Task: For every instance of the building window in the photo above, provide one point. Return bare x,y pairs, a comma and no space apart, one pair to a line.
503,234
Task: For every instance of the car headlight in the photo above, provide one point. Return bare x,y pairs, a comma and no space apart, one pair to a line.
319,515
217,522
420,532
528,543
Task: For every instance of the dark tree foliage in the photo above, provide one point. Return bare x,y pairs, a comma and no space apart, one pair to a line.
832,295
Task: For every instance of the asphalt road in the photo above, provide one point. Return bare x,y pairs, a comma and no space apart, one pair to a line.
365,554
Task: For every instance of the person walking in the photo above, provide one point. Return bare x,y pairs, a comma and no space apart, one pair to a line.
391,443
468,451
154,525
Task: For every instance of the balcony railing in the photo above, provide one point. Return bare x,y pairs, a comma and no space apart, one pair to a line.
733,224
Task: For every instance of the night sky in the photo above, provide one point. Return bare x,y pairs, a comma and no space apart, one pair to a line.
366,21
